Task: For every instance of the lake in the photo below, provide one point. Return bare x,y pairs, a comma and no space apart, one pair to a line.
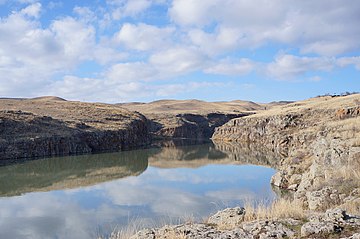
91,195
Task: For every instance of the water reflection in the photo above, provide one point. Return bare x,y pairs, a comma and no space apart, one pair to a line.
86,195
71,172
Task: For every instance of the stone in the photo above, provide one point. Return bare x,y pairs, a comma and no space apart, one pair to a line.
335,215
268,229
293,187
295,179
315,228
355,236
323,198
228,217
279,180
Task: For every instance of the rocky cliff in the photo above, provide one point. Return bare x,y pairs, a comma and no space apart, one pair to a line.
38,128
315,145
190,118
191,126
318,146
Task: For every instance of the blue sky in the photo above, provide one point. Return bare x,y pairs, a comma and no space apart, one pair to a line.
214,50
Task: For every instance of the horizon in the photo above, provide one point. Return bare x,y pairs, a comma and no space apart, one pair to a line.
118,51
170,99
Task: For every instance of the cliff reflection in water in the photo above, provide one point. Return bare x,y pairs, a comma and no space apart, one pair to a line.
171,181
71,171
197,155
86,170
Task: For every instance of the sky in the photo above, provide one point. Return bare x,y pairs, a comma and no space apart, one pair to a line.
144,50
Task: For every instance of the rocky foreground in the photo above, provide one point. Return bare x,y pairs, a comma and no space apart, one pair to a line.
317,146
230,223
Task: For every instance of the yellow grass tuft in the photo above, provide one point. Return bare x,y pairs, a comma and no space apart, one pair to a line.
281,208
352,207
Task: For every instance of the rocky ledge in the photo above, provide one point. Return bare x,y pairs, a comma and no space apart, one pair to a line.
318,143
48,127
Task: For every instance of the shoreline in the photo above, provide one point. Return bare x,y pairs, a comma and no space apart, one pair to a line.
318,146
314,144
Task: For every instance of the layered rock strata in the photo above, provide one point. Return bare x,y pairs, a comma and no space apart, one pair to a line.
318,143
47,128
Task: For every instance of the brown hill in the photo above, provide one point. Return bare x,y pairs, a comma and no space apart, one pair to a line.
50,126
192,106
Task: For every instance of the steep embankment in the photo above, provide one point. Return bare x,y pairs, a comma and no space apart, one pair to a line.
51,126
190,118
319,144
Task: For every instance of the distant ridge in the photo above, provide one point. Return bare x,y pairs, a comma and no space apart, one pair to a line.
192,106
48,98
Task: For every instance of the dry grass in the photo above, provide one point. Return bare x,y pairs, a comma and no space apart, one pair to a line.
352,207
192,106
281,208
324,103
137,224
350,171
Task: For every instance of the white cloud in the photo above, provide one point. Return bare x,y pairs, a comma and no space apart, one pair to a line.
223,40
125,8
134,7
127,72
345,61
32,10
32,55
54,4
75,37
227,67
187,12
315,27
144,37
85,14
286,67
174,89
179,60
192,36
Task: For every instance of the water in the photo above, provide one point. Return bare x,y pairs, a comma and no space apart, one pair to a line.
89,195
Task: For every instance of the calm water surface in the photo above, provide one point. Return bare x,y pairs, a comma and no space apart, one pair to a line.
87,196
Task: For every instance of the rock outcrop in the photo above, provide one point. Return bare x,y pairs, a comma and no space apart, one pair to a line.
317,142
191,118
47,128
192,126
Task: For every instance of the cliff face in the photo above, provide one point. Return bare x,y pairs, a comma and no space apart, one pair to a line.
193,119
192,126
318,146
61,128
49,126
